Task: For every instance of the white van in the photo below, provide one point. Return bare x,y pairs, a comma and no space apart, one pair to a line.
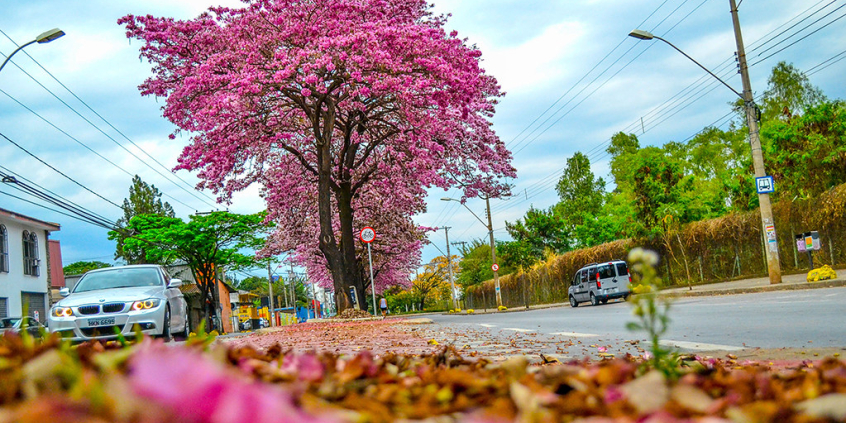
600,282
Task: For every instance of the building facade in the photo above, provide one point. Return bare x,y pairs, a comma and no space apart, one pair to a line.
25,276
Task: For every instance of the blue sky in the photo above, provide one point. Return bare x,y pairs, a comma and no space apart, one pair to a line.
540,51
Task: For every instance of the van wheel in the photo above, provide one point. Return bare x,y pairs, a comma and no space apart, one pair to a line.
593,300
573,302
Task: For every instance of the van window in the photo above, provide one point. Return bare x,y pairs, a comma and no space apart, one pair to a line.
592,273
606,271
622,269
576,279
583,274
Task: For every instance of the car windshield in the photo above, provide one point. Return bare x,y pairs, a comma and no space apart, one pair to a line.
119,278
9,322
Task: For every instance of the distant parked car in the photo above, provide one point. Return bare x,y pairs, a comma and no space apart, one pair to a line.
600,282
16,324
114,300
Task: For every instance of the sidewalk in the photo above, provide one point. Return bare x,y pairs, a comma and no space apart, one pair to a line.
746,286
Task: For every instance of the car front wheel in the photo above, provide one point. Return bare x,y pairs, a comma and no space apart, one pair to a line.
166,325
573,302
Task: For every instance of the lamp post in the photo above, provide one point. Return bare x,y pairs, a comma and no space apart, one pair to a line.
44,37
488,225
767,221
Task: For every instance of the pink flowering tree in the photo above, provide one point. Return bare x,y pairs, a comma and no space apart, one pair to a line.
334,107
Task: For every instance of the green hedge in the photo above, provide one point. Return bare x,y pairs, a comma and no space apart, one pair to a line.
720,249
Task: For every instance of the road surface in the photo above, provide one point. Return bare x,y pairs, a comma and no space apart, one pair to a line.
792,319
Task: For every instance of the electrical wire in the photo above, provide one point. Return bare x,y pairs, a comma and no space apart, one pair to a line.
48,122
97,127
60,172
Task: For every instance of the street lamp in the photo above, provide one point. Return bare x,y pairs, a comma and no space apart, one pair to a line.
768,223
44,37
488,225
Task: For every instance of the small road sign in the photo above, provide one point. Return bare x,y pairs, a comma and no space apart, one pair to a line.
495,267
765,184
367,235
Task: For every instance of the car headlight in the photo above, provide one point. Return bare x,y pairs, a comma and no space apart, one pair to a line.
62,312
146,304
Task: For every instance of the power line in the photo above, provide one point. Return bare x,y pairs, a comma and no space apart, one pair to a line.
97,127
45,120
60,172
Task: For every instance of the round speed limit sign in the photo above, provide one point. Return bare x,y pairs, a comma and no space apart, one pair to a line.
494,267
367,235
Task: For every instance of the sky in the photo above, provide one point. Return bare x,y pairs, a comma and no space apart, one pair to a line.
572,77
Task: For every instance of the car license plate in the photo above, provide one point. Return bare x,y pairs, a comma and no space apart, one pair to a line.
101,322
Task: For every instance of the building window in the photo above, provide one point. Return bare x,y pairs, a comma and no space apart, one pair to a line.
4,249
30,253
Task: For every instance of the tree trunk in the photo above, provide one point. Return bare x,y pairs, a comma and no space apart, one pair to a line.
347,246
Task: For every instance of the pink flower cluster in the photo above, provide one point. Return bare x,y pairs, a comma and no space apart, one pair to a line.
357,106
198,390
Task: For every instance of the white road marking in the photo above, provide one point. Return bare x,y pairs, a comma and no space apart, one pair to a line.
701,346
518,329
575,334
487,325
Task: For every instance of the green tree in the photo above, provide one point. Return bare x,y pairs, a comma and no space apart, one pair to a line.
537,232
656,177
206,243
143,199
81,267
622,149
789,92
475,266
581,194
807,154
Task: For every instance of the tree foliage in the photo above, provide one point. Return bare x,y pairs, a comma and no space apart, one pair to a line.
205,243
81,267
143,199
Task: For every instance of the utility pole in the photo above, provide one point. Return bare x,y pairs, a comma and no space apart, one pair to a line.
493,254
270,291
293,289
449,266
767,221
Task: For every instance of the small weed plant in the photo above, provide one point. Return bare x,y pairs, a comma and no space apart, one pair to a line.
652,312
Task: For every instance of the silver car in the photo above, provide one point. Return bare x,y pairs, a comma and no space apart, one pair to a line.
114,300
600,282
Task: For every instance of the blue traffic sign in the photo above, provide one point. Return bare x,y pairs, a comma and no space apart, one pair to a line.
765,184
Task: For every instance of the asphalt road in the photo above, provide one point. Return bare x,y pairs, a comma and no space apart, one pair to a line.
794,319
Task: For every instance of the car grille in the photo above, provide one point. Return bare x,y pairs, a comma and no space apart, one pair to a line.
100,331
113,307
89,309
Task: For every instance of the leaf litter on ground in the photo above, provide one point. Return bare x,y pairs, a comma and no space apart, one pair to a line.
381,373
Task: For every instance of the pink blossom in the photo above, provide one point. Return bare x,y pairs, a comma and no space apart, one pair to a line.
198,390
411,109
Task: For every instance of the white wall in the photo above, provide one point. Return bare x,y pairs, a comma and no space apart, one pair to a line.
14,282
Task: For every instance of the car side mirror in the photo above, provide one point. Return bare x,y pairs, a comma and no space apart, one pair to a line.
175,283
64,292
